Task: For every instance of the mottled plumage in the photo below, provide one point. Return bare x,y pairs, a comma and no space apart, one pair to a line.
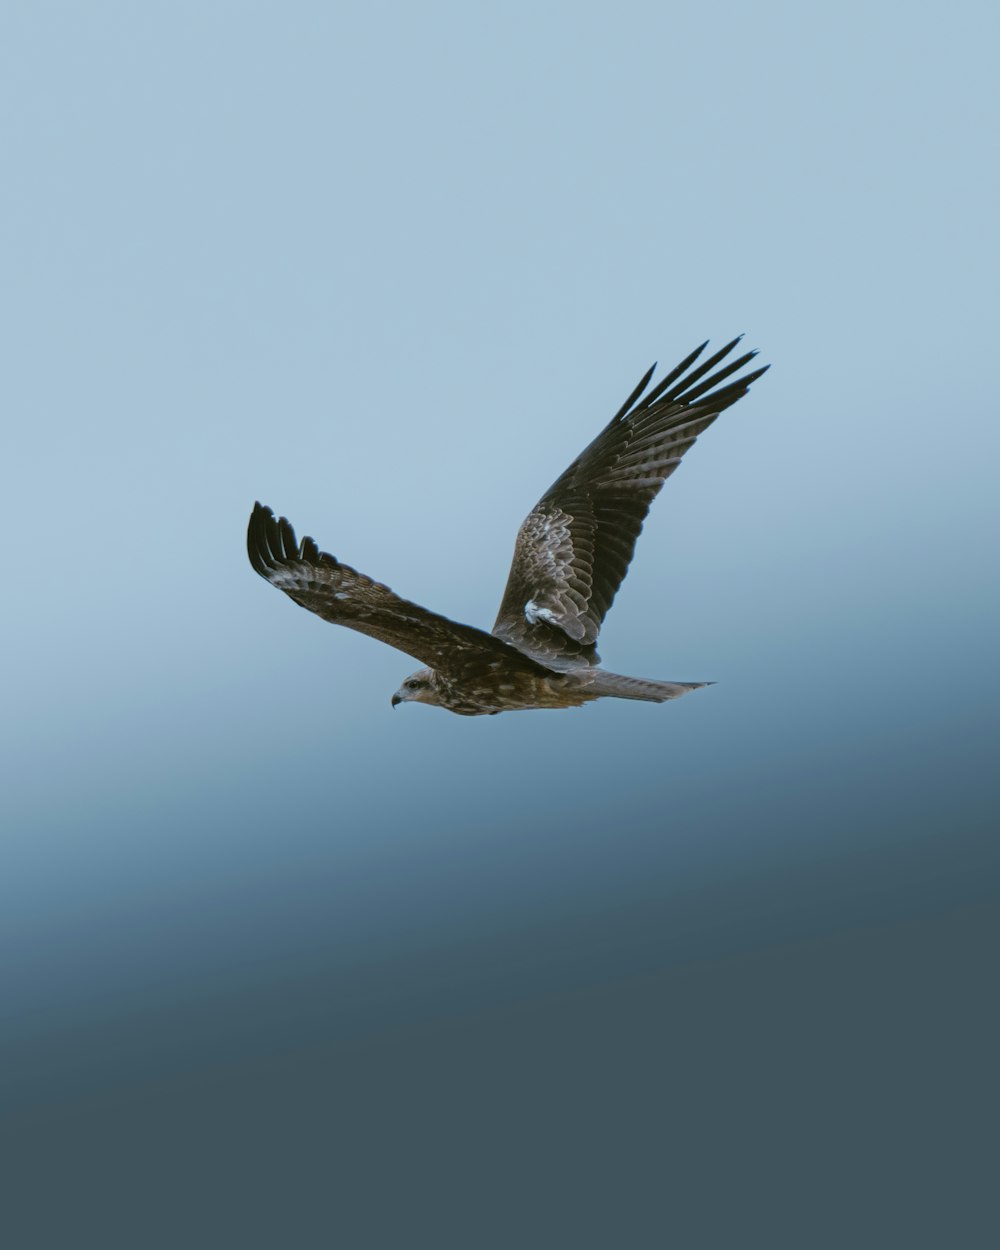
571,554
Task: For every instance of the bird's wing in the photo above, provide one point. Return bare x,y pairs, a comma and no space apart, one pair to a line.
575,545
338,593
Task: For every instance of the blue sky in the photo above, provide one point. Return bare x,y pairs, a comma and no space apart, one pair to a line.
388,269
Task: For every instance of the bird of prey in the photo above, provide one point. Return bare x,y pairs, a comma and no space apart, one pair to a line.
570,557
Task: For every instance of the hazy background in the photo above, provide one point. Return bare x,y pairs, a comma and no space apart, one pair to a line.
283,968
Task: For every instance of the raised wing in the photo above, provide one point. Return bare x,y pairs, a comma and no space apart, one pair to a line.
338,593
575,546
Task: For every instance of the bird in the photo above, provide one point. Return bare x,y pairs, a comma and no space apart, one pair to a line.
570,557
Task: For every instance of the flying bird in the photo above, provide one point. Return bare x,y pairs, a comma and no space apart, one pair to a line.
571,554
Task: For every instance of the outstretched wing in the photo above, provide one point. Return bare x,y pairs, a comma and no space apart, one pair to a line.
575,546
338,593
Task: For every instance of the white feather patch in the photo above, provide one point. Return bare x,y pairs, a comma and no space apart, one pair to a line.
533,613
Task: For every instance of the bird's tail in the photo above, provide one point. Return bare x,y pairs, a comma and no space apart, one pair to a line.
617,686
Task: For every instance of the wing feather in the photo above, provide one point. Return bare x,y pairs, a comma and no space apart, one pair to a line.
320,583
574,547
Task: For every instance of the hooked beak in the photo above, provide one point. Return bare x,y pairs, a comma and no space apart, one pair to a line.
396,699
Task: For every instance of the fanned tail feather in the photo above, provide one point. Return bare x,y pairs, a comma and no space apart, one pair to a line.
616,686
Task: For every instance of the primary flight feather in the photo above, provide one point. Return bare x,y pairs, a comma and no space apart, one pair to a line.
571,555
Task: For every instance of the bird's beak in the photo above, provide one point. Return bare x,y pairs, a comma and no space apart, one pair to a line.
396,699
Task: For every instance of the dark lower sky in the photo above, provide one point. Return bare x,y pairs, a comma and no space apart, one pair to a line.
283,967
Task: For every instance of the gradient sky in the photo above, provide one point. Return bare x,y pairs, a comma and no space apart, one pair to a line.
286,967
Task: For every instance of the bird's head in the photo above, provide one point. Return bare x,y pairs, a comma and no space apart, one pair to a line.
419,687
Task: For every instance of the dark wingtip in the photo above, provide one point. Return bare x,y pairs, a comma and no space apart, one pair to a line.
642,384
716,401
270,541
672,376
256,542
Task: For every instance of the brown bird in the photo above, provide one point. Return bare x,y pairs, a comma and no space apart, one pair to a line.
570,557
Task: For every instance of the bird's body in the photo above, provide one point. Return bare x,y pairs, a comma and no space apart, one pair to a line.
571,555
509,688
